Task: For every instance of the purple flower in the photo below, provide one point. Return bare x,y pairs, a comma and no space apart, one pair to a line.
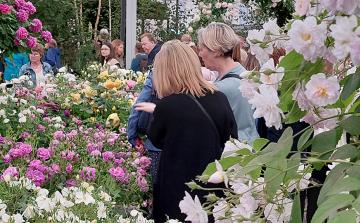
40,128
22,15
142,183
24,147
44,154
2,139
56,168
16,42
94,146
25,135
21,33
11,171
95,153
20,4
88,173
144,162
7,158
68,155
29,7
59,135
108,156
31,42
118,174
36,176
5,9
70,183
71,135
118,162
69,168
36,26
46,35
67,113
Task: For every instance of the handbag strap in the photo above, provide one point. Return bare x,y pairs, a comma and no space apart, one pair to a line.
206,114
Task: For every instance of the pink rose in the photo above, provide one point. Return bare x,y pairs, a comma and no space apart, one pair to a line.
5,9
21,33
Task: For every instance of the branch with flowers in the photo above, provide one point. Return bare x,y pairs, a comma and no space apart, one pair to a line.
19,32
316,82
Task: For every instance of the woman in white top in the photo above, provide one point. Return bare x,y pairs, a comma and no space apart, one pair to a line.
36,69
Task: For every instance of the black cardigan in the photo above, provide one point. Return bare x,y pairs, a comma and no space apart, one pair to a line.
188,143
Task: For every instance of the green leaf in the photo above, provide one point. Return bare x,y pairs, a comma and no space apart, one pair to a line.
344,185
325,142
293,165
332,179
344,152
351,125
259,143
348,216
304,138
225,163
296,210
274,175
356,204
352,83
330,206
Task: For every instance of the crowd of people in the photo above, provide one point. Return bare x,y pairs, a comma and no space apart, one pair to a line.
189,107
190,104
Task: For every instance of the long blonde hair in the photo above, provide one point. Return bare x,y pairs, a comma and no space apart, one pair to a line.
177,70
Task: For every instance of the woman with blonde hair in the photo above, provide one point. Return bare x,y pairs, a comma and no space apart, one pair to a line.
192,121
216,44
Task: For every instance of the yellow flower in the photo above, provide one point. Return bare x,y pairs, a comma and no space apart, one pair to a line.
109,84
114,108
76,96
92,119
103,75
113,121
117,84
89,92
131,102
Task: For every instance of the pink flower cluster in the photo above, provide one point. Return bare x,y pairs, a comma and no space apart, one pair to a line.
5,9
88,174
28,7
18,151
10,171
119,174
44,154
36,26
36,172
21,33
31,42
46,35
22,15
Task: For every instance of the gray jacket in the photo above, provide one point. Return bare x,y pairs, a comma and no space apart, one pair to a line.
239,105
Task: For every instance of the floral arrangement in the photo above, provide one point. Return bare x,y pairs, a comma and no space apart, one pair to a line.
46,138
18,29
84,203
316,82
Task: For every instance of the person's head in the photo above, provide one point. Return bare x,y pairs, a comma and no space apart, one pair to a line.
104,35
216,42
51,44
148,42
118,46
138,48
107,51
177,70
186,38
36,53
